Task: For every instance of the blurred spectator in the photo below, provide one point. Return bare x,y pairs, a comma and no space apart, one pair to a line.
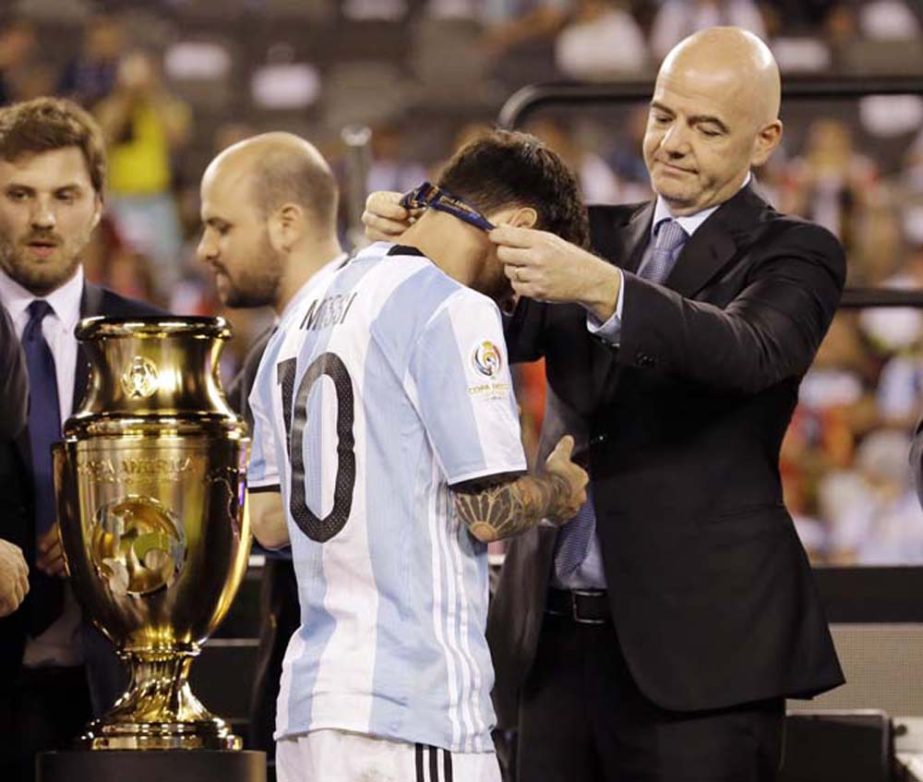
797,17
891,330
109,262
678,18
392,166
18,52
835,409
626,159
875,517
900,385
539,22
831,181
598,183
476,10
601,40
92,74
374,10
887,20
900,390
144,125
879,249
841,25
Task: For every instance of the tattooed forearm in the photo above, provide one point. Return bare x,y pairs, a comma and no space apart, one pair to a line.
506,509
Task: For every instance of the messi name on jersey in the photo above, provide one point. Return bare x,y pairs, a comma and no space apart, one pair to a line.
326,312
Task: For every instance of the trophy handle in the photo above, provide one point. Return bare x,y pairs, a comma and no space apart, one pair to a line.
65,495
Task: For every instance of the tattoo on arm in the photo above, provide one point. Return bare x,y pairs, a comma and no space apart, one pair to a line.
506,509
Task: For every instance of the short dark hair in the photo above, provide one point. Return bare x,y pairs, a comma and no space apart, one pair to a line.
47,124
503,168
285,176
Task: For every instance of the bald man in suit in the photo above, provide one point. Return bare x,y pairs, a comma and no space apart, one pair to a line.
656,638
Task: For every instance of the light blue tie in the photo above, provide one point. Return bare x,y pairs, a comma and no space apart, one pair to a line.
669,237
574,538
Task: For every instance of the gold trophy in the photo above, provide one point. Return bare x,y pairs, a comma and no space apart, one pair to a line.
151,486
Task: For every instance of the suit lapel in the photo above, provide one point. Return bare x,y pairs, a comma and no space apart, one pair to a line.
637,236
715,243
629,248
91,304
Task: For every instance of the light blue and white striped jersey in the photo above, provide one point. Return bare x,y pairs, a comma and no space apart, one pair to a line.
391,383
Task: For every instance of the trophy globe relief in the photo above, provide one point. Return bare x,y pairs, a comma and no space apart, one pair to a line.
150,481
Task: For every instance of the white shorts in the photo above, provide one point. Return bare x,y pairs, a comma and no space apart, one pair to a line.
339,756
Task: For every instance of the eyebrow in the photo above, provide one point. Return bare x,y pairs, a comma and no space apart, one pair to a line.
70,187
695,119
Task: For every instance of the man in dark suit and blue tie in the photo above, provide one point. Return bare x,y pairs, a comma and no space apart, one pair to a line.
655,638
52,174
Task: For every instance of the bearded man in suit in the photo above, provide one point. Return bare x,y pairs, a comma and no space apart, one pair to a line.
53,667
656,637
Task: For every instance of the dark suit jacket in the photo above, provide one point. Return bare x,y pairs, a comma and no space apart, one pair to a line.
14,386
711,593
238,390
16,493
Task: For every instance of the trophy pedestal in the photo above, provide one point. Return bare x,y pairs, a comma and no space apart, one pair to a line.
151,766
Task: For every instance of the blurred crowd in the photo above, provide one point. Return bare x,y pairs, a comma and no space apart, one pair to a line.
174,81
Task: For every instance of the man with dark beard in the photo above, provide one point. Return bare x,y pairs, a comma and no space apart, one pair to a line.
53,666
269,215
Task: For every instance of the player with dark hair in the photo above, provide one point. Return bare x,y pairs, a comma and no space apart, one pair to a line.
386,452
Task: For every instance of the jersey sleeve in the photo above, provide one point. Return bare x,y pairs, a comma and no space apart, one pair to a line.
263,469
464,392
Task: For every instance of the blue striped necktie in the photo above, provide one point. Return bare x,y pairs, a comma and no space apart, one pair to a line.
669,237
574,539
573,542
44,429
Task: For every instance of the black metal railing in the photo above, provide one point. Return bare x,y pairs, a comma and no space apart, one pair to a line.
535,96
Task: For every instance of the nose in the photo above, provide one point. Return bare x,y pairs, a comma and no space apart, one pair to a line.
675,141
43,216
207,248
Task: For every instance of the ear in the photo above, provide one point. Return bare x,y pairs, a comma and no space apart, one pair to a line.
285,227
765,143
97,210
520,217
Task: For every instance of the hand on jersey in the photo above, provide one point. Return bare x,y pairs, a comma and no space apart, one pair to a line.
544,267
560,463
50,557
384,218
14,577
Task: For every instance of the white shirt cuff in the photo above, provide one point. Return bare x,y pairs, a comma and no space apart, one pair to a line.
611,330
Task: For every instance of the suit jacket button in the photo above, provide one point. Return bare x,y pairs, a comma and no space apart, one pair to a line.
645,360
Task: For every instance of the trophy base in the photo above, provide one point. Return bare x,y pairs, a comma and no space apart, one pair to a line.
153,766
205,734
